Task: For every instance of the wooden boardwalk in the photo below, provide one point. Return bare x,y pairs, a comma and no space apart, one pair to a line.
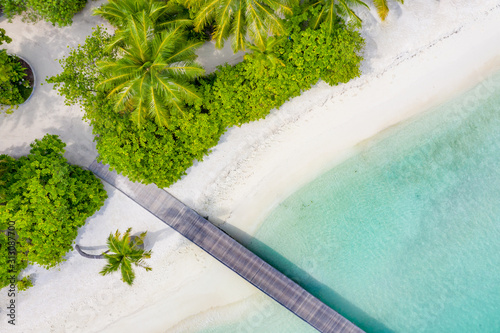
229,252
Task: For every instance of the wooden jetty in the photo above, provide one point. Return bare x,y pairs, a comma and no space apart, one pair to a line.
229,252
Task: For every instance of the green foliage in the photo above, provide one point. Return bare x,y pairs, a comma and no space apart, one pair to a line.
4,37
241,19
243,93
125,251
151,78
152,153
12,79
80,76
24,283
278,69
58,12
164,14
45,201
327,11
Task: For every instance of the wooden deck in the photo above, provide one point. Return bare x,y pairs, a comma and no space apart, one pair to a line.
229,252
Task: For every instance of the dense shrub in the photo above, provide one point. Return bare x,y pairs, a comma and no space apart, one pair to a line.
43,202
152,153
12,79
59,12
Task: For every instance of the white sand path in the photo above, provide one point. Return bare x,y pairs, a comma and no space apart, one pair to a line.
425,53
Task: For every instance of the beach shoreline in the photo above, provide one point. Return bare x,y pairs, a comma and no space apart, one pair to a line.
272,158
424,54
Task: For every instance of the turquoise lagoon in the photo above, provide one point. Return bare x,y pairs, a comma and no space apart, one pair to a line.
402,237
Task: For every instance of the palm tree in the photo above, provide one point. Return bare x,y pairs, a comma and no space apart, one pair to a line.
253,19
150,79
125,251
382,8
331,9
163,14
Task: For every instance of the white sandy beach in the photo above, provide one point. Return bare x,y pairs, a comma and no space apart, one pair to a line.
425,53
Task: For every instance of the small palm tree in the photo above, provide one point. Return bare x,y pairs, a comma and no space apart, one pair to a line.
382,8
151,78
125,251
265,56
253,19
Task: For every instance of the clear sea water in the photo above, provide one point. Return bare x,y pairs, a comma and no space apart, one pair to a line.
402,237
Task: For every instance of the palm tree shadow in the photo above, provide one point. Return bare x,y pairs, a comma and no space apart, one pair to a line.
316,288
98,249
153,237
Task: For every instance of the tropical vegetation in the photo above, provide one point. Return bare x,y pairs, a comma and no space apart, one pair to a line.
43,202
243,20
59,12
153,114
152,77
14,89
125,251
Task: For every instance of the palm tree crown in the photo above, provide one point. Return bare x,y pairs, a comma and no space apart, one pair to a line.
125,251
255,19
151,77
164,14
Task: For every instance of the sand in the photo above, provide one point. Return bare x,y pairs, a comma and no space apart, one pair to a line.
425,53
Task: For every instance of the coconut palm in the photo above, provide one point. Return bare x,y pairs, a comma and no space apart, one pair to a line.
331,9
125,251
382,8
252,19
150,78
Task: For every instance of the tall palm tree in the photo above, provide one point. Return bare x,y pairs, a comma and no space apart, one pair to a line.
150,79
331,9
382,8
253,19
125,251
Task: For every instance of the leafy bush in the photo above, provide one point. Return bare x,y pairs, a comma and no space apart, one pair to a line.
56,12
43,202
152,153
11,78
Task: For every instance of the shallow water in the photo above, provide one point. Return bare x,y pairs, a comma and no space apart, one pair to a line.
402,237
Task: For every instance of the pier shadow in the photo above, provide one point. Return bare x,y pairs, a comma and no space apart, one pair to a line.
316,288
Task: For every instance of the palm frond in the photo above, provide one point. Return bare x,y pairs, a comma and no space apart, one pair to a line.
128,274
382,8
